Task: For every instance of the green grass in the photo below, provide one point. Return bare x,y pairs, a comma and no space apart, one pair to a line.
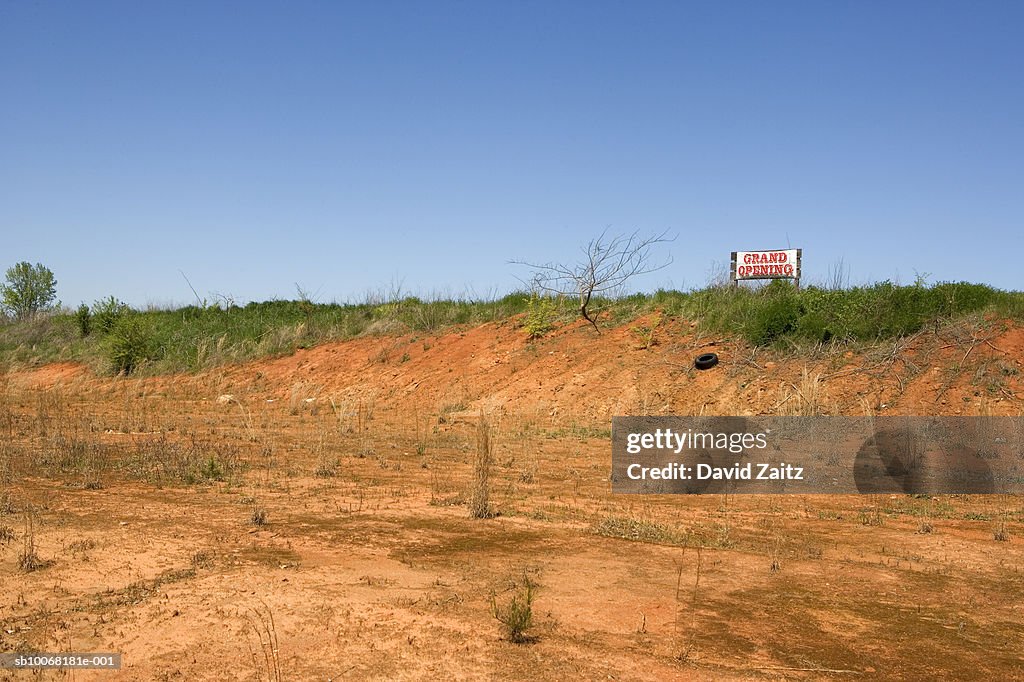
779,312
193,338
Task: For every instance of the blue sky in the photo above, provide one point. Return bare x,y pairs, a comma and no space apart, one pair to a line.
348,147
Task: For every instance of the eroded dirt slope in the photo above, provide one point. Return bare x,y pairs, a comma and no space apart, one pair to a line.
579,376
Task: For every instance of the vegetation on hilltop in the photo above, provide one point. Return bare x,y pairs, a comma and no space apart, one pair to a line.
114,338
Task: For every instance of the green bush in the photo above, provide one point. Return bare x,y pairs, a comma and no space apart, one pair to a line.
107,312
776,315
540,314
884,310
83,318
130,344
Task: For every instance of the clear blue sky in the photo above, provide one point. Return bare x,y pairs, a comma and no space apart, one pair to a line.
346,146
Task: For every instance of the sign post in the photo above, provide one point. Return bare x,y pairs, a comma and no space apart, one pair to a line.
777,264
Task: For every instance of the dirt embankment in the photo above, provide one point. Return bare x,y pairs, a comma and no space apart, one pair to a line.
577,376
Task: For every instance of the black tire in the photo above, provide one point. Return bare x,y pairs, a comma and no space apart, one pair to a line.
706,361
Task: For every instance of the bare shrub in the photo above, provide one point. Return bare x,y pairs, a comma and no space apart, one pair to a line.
607,264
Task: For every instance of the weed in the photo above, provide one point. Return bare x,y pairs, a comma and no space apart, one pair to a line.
302,397
450,408
268,661
516,616
540,312
141,590
81,546
804,400
646,334
211,469
327,467
775,555
29,560
1001,533
203,559
688,645
92,482
443,492
259,516
161,460
871,517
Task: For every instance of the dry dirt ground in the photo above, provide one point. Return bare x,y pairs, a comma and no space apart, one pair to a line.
305,517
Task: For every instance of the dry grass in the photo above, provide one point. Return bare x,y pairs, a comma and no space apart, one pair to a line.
687,633
803,400
1001,533
479,498
266,655
29,560
259,516
639,530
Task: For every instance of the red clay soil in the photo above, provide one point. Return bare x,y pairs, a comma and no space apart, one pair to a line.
366,557
577,376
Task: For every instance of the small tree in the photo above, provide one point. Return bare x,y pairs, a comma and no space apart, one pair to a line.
129,344
29,289
83,317
608,262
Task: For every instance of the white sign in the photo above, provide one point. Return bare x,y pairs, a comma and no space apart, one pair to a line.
766,264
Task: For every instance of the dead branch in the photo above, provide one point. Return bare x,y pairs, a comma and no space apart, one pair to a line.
607,265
